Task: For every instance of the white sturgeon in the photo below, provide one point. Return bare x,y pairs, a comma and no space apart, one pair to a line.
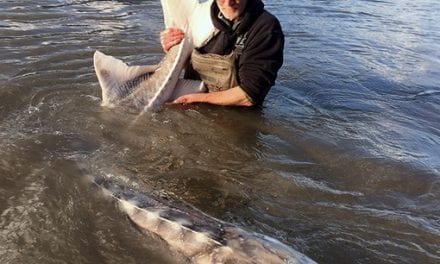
200,238
148,87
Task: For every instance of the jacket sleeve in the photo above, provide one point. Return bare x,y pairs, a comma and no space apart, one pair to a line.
261,58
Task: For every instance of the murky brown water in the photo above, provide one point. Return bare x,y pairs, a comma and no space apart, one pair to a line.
341,163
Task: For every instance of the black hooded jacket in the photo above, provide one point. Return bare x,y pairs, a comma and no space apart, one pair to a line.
262,54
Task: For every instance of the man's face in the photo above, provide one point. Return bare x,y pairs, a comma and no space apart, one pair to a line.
229,8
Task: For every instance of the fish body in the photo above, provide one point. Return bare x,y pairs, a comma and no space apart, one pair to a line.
202,239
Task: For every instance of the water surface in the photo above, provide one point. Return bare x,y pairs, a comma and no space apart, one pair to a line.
341,163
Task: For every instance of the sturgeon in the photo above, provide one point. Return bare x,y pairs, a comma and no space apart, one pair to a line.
200,238
147,87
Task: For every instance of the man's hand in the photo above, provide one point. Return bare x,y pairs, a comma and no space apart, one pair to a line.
234,96
170,37
190,98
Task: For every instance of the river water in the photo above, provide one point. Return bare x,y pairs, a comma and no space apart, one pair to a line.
341,163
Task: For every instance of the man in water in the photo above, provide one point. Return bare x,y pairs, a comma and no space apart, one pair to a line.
240,63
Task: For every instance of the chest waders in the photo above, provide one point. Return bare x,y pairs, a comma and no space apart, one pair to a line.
219,72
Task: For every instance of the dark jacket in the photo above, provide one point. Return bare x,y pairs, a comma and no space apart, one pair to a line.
262,54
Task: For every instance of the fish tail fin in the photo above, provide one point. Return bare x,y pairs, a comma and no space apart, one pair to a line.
191,16
117,79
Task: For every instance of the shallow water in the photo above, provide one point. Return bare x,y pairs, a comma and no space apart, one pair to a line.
341,163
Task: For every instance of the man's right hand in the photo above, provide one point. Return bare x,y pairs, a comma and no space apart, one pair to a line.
170,37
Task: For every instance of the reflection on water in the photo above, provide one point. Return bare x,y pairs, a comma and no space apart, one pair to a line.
344,153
